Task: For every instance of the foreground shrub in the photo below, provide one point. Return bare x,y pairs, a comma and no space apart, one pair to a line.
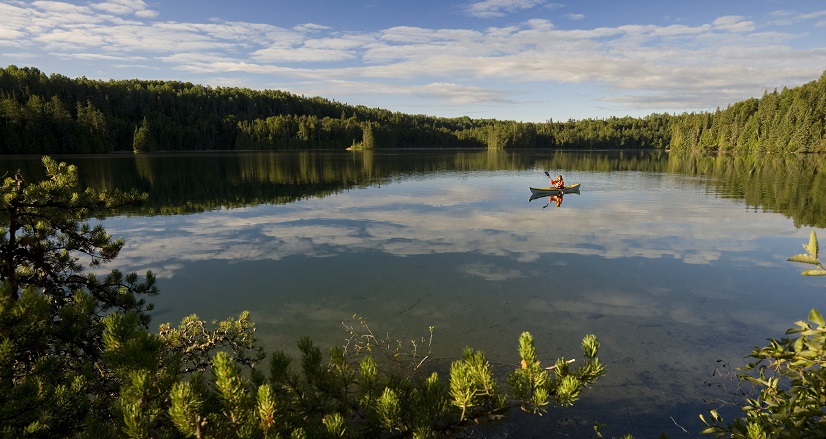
789,376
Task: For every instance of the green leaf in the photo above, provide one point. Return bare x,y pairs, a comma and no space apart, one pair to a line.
815,317
814,273
798,345
806,259
812,247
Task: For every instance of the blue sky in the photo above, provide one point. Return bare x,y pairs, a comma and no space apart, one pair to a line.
528,60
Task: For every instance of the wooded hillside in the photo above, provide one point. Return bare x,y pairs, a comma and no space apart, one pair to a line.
51,114
792,120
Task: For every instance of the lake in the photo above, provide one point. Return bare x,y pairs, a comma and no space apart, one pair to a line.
677,264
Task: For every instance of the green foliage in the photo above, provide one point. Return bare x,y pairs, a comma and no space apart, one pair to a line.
53,315
335,425
472,384
368,139
142,140
791,120
537,388
185,410
154,397
45,229
44,390
344,398
56,114
75,351
811,257
790,378
51,114
389,410
231,407
196,342
650,132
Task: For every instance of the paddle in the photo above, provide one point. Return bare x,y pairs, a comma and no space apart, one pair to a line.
549,176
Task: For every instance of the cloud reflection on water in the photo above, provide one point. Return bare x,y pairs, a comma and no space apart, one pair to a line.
686,226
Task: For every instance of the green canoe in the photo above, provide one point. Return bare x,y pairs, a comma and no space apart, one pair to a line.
553,190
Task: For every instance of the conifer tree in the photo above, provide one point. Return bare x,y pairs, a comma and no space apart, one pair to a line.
142,139
368,140
51,313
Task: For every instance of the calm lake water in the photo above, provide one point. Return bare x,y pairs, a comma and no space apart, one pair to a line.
675,264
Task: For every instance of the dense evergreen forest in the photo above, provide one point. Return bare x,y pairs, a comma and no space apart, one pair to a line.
792,120
53,114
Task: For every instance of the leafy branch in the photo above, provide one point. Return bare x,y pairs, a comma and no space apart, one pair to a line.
810,257
790,378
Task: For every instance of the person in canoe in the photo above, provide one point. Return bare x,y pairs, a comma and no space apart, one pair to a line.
559,183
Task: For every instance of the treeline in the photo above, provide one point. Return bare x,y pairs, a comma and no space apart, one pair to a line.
611,133
42,113
792,120
56,114
51,114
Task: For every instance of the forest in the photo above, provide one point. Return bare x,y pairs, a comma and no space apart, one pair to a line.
791,120
54,114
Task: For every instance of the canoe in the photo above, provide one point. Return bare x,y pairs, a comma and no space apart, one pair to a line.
553,190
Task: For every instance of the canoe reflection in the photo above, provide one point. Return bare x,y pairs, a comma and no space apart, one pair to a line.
555,196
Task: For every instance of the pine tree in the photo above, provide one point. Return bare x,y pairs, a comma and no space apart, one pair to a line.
50,311
368,141
142,139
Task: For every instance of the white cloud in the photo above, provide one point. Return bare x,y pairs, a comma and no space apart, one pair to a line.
100,57
11,37
296,48
790,17
113,8
463,94
813,15
499,8
300,54
125,7
310,27
146,14
734,24
662,67
20,55
60,7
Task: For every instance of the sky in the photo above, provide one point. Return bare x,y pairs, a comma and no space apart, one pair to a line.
524,60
